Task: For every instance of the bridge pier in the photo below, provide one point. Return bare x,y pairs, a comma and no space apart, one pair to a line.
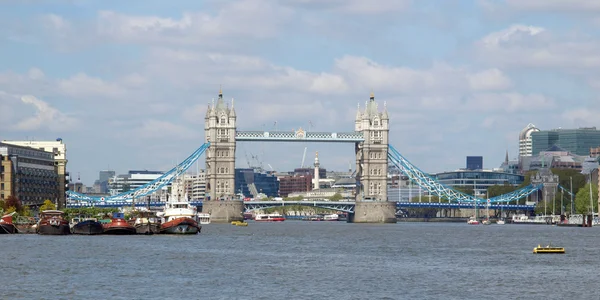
374,212
224,211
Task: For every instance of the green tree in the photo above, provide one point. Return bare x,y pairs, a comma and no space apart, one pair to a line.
14,202
48,205
582,200
497,190
464,189
336,197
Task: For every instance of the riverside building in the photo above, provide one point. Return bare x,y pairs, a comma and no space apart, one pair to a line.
576,141
59,150
29,174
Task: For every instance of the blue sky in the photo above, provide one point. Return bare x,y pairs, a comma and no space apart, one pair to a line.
126,83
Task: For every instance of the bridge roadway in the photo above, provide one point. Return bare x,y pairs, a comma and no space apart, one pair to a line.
345,206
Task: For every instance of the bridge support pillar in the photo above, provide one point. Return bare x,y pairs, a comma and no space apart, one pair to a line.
374,212
224,211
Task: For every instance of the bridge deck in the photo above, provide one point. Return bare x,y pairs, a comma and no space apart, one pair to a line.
299,136
347,206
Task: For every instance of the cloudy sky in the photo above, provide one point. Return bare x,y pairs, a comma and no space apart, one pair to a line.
126,83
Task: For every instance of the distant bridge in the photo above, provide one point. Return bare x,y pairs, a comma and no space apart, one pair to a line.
343,206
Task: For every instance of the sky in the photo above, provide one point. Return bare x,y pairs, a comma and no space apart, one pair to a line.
126,84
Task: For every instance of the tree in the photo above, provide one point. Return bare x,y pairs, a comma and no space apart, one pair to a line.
336,197
582,200
497,190
48,205
13,201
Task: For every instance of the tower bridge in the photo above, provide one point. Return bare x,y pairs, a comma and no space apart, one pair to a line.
373,153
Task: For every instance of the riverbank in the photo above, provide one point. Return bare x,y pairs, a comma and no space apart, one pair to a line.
436,220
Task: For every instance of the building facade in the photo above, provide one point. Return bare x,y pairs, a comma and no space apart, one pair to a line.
296,183
372,154
525,140
195,185
59,150
478,181
250,183
219,130
133,180
474,163
29,174
577,141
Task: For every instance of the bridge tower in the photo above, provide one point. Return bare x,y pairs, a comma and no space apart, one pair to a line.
550,185
372,166
219,130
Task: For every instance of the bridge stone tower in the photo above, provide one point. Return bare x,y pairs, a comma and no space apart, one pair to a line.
219,130
372,166
550,185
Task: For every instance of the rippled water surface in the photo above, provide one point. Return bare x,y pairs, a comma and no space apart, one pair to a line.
307,260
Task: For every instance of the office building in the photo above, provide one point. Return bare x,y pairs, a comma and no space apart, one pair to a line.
474,163
525,141
479,181
59,150
576,141
195,185
250,183
29,174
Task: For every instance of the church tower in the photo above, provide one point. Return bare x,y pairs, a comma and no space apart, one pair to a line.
371,155
219,130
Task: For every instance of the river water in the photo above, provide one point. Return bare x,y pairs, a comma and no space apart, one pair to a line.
307,260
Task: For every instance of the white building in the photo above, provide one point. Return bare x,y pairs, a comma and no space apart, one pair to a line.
525,140
196,185
133,180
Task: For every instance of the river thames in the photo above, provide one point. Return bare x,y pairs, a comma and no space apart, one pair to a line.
307,260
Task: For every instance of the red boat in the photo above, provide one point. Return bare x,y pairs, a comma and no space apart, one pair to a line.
6,224
52,222
118,225
180,226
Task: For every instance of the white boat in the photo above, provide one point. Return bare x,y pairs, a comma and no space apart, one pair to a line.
274,217
180,217
486,222
473,221
537,220
500,222
331,217
203,218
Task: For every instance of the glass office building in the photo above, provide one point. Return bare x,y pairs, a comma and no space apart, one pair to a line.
577,141
250,183
480,181
474,162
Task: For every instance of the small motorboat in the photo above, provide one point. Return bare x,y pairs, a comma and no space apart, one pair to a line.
239,223
548,250
473,221
6,224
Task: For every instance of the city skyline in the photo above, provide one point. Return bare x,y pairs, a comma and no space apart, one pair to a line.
127,85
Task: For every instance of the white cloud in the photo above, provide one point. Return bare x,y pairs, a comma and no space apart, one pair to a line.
516,32
530,46
491,79
45,117
261,19
83,86
585,6
354,6
581,117
161,130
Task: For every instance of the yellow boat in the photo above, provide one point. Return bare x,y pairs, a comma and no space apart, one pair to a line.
548,250
239,223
